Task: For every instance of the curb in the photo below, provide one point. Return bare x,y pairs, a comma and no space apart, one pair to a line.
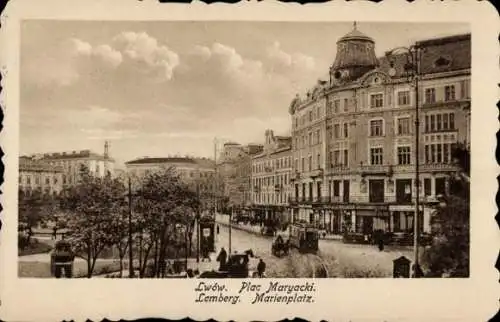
258,233
239,228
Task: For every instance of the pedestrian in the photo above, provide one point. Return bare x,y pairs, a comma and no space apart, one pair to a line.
417,271
206,254
218,231
221,258
381,242
54,233
261,268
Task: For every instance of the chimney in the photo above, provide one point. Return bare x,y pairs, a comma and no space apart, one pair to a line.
106,149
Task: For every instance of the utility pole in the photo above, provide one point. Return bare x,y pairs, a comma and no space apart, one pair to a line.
198,222
130,257
413,55
230,225
416,61
216,181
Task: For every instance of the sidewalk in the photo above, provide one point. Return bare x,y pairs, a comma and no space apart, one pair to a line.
224,220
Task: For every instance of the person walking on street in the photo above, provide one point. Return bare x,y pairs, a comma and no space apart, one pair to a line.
221,258
381,242
218,230
261,268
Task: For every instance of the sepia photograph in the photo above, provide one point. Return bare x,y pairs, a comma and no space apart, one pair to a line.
257,161
244,149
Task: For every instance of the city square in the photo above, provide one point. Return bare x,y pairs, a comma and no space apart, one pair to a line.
179,158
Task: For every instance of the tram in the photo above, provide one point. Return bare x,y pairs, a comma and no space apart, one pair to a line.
304,237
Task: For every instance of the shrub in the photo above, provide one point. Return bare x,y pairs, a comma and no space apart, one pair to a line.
34,247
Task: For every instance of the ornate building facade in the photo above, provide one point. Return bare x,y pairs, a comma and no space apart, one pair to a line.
354,135
271,175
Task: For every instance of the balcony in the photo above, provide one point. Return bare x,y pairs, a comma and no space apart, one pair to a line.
438,167
374,170
316,173
278,187
339,169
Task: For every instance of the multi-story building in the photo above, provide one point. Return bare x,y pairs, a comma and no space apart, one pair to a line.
271,175
354,135
234,169
38,175
72,162
197,172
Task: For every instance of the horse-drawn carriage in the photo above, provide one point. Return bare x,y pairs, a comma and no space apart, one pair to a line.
280,247
237,266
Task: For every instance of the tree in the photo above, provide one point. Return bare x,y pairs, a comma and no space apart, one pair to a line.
119,233
34,207
449,253
92,206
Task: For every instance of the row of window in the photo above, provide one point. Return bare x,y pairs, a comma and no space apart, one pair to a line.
446,93
281,180
269,165
339,157
337,105
430,97
336,132
439,152
312,138
333,189
310,165
313,115
47,181
403,155
439,122
433,123
434,153
271,198
402,127
376,189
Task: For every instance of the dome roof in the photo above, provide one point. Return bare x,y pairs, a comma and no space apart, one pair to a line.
355,55
355,34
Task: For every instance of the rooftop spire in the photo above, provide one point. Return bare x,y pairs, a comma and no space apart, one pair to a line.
354,25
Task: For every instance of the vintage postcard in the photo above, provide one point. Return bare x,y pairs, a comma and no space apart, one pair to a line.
255,161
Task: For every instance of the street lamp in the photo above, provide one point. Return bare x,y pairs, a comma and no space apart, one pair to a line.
412,70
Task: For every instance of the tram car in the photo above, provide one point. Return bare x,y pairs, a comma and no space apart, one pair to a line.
304,237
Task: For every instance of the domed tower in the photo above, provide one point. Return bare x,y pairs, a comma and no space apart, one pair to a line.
355,57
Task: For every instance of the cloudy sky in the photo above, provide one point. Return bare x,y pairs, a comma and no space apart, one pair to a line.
162,88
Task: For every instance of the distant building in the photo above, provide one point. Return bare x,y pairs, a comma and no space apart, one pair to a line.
71,162
234,171
199,173
354,135
271,174
38,175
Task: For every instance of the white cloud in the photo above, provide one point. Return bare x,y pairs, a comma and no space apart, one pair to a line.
144,48
65,63
282,61
108,55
